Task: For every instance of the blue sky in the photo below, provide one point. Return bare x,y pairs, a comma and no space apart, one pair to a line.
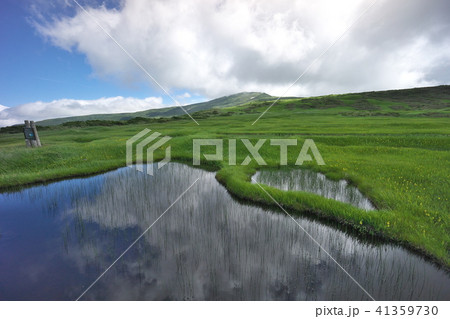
32,69
55,61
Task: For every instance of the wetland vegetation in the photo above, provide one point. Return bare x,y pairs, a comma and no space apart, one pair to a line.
394,146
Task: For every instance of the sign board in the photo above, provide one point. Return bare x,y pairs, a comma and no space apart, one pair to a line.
29,134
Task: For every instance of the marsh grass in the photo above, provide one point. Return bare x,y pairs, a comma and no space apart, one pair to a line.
401,163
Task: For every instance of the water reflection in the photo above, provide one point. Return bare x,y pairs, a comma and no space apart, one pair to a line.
312,182
207,246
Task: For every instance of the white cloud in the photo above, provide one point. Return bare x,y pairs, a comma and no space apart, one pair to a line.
185,95
66,107
220,47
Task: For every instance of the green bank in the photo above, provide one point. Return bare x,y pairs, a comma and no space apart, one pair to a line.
393,145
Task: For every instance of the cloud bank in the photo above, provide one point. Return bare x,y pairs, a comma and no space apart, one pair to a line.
216,48
66,107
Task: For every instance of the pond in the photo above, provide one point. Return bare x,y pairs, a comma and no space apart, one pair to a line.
312,182
57,239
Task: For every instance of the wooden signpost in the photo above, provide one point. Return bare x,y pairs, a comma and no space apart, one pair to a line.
31,134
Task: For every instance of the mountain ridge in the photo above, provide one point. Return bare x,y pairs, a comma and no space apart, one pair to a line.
221,102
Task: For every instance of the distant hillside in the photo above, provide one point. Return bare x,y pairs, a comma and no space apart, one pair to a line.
424,101
225,101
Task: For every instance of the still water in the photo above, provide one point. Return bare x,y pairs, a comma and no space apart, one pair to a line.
57,239
312,182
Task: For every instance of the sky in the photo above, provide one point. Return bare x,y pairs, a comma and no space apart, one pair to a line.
56,61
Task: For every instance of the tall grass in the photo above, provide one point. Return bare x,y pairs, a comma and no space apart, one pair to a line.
401,163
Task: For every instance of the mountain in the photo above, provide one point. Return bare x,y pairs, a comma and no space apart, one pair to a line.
225,101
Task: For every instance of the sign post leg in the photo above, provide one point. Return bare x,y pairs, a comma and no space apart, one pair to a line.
27,141
36,135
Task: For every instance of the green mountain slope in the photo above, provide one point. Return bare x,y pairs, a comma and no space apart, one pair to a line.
225,101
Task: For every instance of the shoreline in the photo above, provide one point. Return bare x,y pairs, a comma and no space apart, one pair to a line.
226,181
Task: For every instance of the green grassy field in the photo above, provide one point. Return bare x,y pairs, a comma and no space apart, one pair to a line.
394,145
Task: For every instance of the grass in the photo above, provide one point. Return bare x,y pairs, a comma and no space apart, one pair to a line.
401,161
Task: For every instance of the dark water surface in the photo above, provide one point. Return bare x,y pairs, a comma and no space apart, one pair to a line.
312,182
57,239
